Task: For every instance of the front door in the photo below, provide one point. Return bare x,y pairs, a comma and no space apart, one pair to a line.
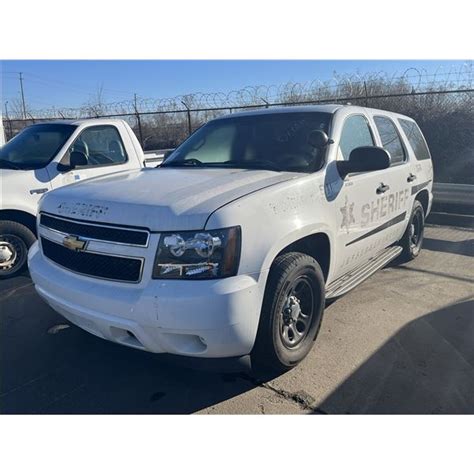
366,202
103,150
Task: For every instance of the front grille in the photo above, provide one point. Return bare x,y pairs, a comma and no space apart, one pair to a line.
92,264
97,232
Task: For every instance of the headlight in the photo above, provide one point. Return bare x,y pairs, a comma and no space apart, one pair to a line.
198,255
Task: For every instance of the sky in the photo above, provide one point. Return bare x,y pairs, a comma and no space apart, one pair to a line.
60,83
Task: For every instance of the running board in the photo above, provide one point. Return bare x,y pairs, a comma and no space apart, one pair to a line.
350,280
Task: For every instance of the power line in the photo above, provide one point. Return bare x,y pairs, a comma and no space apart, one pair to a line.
73,85
46,81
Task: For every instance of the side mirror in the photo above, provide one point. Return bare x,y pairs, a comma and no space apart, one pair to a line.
364,159
74,160
318,139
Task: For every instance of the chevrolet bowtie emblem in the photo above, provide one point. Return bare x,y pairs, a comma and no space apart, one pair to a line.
73,242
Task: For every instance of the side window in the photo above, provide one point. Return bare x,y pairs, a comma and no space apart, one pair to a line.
391,140
101,145
355,133
416,139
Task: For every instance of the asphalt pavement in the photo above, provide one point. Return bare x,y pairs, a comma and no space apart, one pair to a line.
402,342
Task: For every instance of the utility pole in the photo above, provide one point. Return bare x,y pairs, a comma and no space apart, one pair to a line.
188,111
9,121
22,95
139,120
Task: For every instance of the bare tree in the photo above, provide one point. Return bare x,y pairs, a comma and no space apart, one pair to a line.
96,104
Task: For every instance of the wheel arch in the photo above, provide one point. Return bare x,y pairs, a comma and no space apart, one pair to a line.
424,199
316,245
22,217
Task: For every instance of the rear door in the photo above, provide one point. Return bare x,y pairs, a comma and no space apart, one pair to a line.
421,173
397,201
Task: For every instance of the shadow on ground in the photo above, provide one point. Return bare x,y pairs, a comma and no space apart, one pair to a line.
426,367
66,370
50,366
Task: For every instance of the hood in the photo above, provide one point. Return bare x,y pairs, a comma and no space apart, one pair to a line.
163,199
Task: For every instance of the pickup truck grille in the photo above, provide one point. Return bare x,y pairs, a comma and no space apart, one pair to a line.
95,231
108,267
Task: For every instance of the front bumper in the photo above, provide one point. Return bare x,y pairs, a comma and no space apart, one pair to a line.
210,318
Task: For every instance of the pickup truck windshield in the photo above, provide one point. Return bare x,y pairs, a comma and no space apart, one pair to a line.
276,142
35,146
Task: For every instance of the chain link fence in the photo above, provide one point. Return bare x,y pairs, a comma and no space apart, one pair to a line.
441,103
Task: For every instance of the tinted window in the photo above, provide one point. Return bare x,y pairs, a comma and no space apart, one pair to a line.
416,139
275,141
35,146
390,139
355,133
101,146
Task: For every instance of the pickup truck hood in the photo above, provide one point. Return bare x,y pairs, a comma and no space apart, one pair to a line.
159,199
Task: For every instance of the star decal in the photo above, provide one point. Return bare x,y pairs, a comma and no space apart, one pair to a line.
347,214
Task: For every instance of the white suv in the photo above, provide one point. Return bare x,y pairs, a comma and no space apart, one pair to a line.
233,246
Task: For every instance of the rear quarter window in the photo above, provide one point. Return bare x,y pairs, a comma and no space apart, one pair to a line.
416,139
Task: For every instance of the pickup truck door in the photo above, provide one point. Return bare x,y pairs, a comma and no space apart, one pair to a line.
106,148
367,206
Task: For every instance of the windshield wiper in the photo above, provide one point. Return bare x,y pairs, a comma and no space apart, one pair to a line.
9,164
253,165
182,164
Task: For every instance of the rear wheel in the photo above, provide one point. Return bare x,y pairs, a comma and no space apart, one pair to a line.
291,313
15,240
412,240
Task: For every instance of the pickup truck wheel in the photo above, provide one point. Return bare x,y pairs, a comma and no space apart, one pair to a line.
291,313
15,240
413,237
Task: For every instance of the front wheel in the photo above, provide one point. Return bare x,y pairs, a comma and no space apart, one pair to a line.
291,312
15,240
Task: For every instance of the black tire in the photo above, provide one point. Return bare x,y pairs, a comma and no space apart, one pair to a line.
412,239
15,240
274,348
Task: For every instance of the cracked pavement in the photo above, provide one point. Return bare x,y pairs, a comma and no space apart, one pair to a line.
399,343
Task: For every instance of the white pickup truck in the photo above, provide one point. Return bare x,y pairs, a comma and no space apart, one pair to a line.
50,155
234,244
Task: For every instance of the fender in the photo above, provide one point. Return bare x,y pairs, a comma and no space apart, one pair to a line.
275,217
24,207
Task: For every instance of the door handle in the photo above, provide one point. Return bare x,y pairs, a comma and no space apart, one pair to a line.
383,188
411,177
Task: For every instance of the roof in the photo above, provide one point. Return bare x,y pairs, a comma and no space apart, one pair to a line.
80,121
328,108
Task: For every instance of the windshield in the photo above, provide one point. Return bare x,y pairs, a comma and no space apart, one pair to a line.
278,141
35,146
